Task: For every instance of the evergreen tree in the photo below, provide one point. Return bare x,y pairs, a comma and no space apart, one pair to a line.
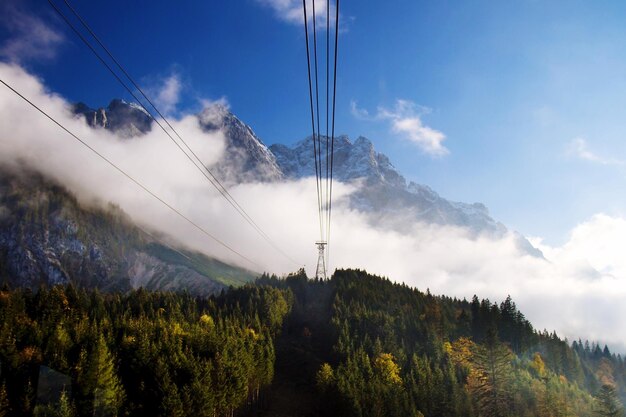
607,402
325,378
99,381
490,379
65,408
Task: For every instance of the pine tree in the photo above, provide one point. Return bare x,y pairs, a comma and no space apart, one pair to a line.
607,403
100,382
491,376
171,404
65,409
325,377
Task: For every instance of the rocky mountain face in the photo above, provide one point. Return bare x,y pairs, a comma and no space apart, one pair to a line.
48,237
247,159
385,190
125,119
385,195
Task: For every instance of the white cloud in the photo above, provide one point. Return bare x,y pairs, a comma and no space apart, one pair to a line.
167,94
358,112
291,11
405,120
579,148
564,291
30,37
597,243
578,289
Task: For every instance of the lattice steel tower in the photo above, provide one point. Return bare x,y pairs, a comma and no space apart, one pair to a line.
320,272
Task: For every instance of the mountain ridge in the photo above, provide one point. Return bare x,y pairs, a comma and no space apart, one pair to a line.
385,188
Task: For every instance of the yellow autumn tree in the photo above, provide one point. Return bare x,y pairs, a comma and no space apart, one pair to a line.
387,369
538,365
325,377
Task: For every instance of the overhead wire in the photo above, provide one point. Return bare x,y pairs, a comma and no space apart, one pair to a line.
327,107
317,171
203,168
317,105
332,146
131,178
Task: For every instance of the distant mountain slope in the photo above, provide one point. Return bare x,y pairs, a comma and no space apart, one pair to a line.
246,159
245,151
47,237
386,191
125,119
387,197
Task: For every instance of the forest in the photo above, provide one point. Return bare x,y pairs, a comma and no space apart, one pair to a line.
353,345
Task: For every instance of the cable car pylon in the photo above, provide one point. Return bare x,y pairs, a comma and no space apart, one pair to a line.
320,272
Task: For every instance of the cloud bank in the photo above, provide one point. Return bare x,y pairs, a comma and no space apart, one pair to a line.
578,289
405,120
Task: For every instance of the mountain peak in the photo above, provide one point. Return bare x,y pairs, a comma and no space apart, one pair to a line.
352,160
364,142
245,151
214,115
117,103
247,159
123,118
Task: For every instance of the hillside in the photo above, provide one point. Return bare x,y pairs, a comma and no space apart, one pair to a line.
48,237
354,345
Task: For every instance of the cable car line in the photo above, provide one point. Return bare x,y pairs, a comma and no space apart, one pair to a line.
317,105
317,175
332,146
323,171
327,119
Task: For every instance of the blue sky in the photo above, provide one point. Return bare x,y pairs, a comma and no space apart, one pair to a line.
529,95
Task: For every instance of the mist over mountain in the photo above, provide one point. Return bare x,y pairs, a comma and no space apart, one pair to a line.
385,193
389,200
